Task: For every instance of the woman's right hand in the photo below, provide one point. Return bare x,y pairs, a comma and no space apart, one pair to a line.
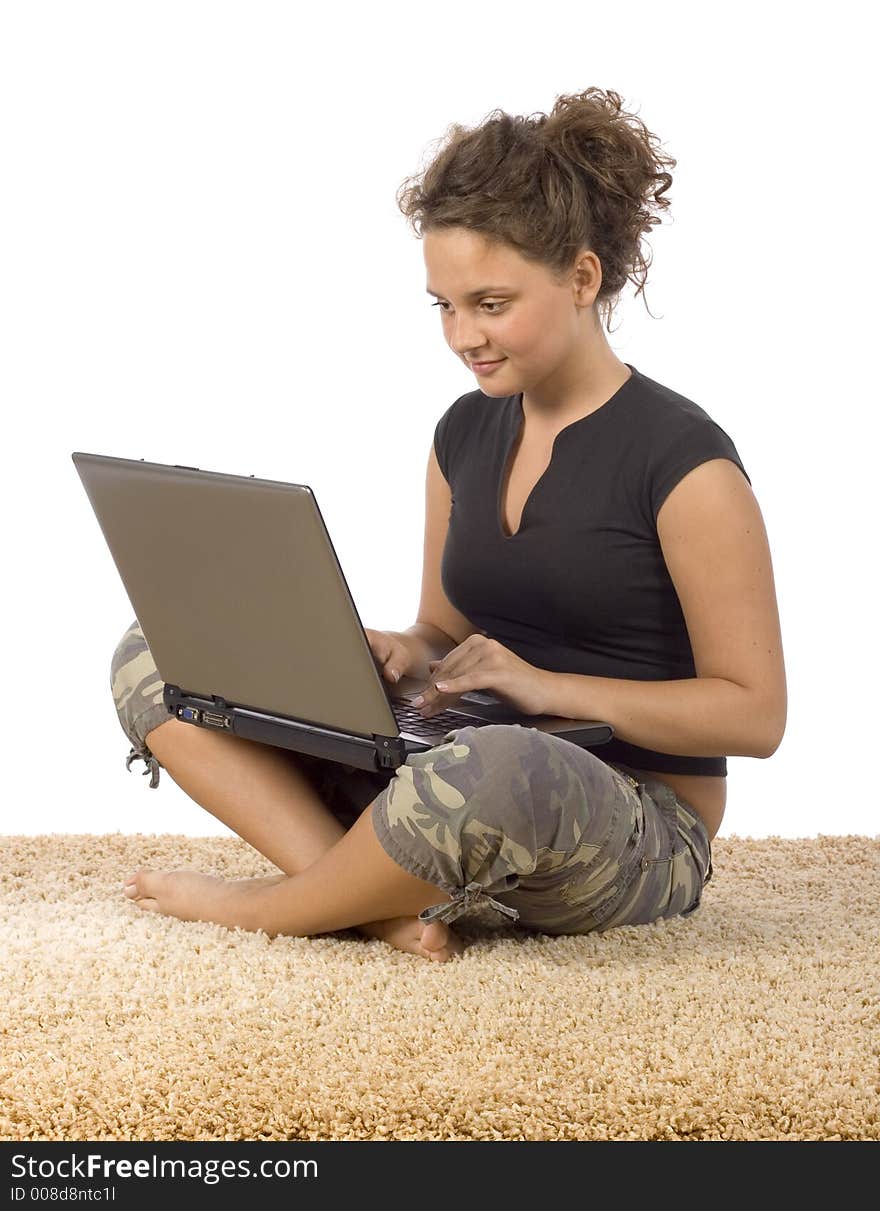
393,656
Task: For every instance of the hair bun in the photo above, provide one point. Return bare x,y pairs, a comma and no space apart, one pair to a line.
586,175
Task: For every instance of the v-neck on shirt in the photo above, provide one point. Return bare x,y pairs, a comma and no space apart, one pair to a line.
582,586
515,428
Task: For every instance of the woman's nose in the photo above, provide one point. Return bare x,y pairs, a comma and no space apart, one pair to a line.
466,339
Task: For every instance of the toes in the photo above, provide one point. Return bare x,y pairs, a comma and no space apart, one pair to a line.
143,884
439,942
435,935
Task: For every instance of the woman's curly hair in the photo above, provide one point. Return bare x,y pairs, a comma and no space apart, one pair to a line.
585,175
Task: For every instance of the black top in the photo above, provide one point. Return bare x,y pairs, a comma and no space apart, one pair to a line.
582,587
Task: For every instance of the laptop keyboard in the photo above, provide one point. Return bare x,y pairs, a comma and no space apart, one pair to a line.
409,720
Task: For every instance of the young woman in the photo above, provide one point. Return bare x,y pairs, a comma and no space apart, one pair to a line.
603,556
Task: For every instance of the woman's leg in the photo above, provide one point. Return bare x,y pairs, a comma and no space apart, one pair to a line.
563,839
257,790
544,831
454,824
353,882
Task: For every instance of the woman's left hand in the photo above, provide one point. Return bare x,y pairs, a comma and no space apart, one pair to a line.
481,663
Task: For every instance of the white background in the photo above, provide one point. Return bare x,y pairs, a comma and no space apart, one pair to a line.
203,262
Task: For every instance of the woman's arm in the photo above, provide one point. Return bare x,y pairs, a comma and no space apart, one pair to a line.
695,717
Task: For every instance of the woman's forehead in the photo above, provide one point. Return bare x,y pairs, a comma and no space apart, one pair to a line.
465,262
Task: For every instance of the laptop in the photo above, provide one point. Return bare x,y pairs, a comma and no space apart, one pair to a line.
247,613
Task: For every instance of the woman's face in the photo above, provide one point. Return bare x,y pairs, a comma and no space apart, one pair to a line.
495,305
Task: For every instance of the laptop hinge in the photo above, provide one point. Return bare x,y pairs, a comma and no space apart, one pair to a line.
390,751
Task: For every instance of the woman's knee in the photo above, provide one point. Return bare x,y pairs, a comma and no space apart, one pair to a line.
486,810
516,777
137,689
481,784
544,796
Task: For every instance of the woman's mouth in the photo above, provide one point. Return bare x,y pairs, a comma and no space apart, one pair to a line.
486,367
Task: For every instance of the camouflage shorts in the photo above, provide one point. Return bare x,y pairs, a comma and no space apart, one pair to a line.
545,832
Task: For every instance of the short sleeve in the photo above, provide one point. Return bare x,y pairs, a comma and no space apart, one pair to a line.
445,438
441,443
697,444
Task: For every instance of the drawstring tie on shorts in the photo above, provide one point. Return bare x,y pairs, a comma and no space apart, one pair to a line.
462,899
149,761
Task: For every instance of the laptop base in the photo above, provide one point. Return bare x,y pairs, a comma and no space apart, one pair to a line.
367,752
374,752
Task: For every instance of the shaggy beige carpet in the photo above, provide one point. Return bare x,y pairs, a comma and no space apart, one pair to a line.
758,1018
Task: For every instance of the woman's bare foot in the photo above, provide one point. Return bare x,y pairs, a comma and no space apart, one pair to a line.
192,896
436,940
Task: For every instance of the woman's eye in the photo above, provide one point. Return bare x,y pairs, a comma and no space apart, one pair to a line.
442,305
